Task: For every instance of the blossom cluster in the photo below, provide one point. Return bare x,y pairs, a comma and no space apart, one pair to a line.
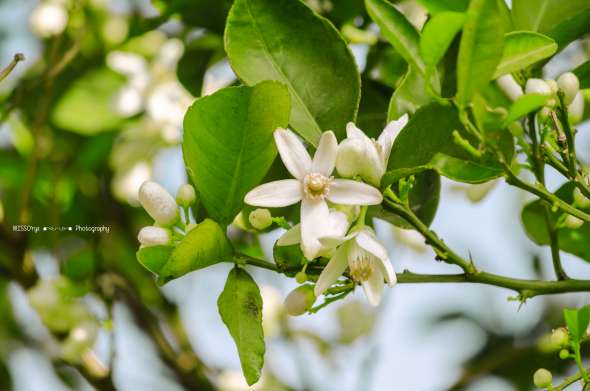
325,230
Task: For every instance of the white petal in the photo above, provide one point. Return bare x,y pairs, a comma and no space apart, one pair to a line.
293,153
389,134
349,192
333,241
291,237
374,288
367,240
314,219
352,131
332,271
388,272
324,159
338,224
275,194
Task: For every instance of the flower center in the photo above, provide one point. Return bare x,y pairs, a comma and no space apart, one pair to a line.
361,268
316,185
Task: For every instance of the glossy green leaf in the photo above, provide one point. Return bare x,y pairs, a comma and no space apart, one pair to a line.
285,40
195,60
154,258
523,48
480,50
573,241
228,144
583,74
427,142
572,28
438,34
525,104
88,106
240,307
545,15
210,14
409,96
577,321
435,7
203,246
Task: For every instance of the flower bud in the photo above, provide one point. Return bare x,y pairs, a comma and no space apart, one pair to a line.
542,378
553,85
260,218
564,354
300,277
509,86
560,337
186,195
81,338
299,300
154,236
360,157
575,110
158,203
569,84
580,199
537,86
572,222
48,18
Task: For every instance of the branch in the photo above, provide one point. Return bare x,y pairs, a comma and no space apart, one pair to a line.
18,57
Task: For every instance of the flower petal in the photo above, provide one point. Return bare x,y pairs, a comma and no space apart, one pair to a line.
314,219
338,224
389,134
332,271
368,241
388,272
324,159
275,194
293,153
291,237
373,287
349,192
352,131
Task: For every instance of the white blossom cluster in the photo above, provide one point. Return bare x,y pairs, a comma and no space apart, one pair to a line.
324,229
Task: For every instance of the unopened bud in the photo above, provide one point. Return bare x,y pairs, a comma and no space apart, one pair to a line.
158,203
570,85
560,337
299,300
537,86
542,378
186,195
260,218
154,236
553,85
575,110
572,222
564,354
509,86
580,199
300,277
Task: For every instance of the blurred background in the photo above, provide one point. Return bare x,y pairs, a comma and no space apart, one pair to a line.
96,109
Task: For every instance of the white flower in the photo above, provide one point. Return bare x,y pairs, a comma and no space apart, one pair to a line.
154,236
313,185
366,157
159,204
336,227
366,259
48,19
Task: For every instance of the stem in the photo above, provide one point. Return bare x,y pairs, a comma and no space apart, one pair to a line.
18,57
578,359
569,381
569,135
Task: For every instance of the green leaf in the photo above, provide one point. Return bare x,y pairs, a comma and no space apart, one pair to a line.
288,258
203,246
240,307
195,60
577,322
523,105
572,241
228,144
545,15
87,107
210,14
427,142
438,34
583,73
409,96
571,29
285,40
398,31
480,50
435,7
154,258
523,48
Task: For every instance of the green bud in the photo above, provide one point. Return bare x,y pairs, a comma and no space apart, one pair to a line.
580,199
260,218
186,195
542,378
569,84
572,222
300,277
564,354
299,300
560,337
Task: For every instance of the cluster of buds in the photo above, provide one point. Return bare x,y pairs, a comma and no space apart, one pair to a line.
165,211
566,84
64,315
